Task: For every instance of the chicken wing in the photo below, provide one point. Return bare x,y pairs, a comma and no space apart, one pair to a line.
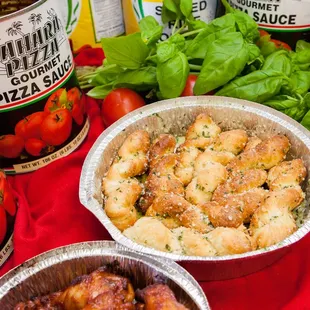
98,291
159,297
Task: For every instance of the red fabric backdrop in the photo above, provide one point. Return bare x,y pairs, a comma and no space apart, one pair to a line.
50,215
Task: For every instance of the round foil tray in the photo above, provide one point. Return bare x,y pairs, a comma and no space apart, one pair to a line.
54,270
174,116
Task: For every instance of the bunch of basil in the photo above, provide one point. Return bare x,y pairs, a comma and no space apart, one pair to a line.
227,55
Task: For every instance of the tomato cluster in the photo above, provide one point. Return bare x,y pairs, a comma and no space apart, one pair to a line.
7,204
40,132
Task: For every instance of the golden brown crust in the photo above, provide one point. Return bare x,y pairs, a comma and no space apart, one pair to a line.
185,168
273,221
252,143
199,135
239,183
288,173
265,155
163,145
230,241
176,207
194,243
222,158
121,190
120,205
203,185
202,132
151,232
236,210
233,141
161,180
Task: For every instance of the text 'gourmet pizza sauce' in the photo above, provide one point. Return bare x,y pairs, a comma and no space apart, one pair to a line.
42,111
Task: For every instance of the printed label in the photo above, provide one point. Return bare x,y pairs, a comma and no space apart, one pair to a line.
6,251
42,110
203,9
281,15
35,56
107,18
71,11
69,148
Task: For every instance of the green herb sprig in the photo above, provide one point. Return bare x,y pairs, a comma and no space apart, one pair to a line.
228,56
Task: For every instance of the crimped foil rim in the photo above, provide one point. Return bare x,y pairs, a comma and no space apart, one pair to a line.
91,162
105,248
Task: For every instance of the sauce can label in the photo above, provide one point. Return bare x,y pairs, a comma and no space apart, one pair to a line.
277,15
42,116
135,10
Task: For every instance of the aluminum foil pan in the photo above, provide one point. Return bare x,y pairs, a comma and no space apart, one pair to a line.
174,116
54,270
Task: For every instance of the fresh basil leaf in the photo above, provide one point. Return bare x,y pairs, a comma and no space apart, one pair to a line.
100,92
105,75
186,7
247,26
266,46
139,80
302,45
278,61
166,51
301,59
152,60
195,24
171,10
282,102
167,16
151,31
297,113
254,53
258,86
226,58
172,76
213,31
223,22
127,51
299,83
178,40
306,100
306,120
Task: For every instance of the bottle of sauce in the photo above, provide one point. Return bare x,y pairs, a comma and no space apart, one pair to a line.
285,20
87,21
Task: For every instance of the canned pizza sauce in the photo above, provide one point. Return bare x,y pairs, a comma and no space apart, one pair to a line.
42,111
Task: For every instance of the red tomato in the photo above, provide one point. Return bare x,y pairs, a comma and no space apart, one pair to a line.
189,86
11,146
56,127
263,33
56,100
280,44
118,103
35,147
76,105
7,200
3,224
29,127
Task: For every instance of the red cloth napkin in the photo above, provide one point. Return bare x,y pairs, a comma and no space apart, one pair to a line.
50,215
